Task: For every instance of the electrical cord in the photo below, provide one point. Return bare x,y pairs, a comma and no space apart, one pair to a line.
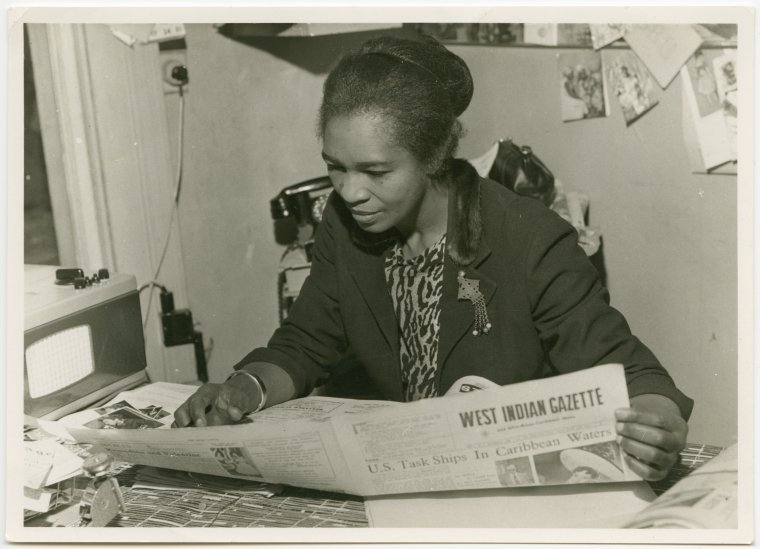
151,284
175,204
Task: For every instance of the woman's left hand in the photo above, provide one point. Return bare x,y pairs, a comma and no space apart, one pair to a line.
651,433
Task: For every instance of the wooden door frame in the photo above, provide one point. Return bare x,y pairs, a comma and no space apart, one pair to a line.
111,180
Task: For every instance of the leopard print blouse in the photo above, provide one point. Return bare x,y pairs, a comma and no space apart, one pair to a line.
416,285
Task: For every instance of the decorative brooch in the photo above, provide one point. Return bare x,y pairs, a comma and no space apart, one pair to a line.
470,289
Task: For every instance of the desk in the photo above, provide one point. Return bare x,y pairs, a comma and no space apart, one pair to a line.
293,508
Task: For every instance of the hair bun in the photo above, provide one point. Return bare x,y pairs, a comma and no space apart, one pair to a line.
449,69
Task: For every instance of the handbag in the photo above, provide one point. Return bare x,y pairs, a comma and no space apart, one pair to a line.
518,169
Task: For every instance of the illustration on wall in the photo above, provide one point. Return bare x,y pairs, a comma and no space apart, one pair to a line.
603,34
710,87
724,68
581,82
630,81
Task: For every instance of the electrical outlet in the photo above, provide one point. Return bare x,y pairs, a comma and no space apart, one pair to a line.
174,72
173,69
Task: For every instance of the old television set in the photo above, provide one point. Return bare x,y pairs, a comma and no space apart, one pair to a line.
83,340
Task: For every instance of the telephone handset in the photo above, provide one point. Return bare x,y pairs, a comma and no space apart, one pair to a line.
296,211
304,202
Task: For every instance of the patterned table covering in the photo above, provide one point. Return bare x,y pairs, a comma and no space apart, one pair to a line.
231,506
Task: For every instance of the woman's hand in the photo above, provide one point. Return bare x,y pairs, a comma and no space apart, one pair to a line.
651,433
218,403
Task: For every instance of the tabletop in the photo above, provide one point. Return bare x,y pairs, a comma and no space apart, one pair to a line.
223,504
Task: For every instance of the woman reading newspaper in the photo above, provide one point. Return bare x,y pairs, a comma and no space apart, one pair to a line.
426,273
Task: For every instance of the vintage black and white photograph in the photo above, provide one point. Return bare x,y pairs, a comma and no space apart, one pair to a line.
632,85
582,88
123,418
288,233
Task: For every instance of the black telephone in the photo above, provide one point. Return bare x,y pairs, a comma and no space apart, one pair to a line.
296,211
303,203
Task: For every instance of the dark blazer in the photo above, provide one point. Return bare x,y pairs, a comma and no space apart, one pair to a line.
548,310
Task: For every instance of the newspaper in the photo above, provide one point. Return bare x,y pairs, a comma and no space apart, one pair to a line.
558,430
707,498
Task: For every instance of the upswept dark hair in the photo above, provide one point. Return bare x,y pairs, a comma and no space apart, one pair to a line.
419,86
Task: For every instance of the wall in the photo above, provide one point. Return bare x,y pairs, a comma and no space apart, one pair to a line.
250,130
669,235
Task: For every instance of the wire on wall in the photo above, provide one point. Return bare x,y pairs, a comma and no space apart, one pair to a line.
175,204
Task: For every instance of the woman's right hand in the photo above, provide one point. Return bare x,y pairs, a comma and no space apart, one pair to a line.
218,403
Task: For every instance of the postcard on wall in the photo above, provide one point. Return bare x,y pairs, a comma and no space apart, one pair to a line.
606,33
663,48
711,106
724,68
581,83
630,81
544,34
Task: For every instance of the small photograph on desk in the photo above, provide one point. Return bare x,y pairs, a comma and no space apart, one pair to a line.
586,464
236,461
123,418
152,411
110,408
155,412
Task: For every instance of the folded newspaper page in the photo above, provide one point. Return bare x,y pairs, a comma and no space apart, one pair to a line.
706,498
559,430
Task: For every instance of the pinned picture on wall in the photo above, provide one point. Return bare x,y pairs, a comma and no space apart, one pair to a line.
703,82
630,81
582,90
663,48
724,68
603,34
712,105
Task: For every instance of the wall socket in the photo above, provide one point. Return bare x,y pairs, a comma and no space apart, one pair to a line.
174,72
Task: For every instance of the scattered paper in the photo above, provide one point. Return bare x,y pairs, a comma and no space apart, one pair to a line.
663,48
49,458
630,81
563,34
707,498
163,32
37,500
573,35
38,460
144,33
717,141
604,34
135,409
726,79
130,34
544,34
582,92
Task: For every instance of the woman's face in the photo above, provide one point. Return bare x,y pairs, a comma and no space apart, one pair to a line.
382,183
